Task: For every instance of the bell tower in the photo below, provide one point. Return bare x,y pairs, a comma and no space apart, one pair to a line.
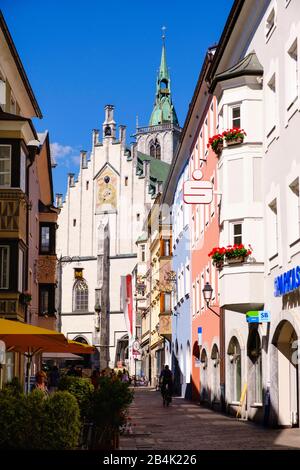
160,138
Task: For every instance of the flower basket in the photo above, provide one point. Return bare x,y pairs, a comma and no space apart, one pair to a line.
218,265
238,259
231,254
216,143
238,140
234,136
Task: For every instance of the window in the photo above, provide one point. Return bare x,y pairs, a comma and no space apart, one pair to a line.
292,72
21,270
294,211
155,150
187,278
13,105
47,238
126,180
5,165
138,216
235,369
236,116
198,295
46,299
166,247
255,356
272,229
143,253
80,296
270,23
167,306
194,300
205,133
23,171
4,267
271,105
87,185
237,234
212,205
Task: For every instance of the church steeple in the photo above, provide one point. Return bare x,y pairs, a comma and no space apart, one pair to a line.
164,111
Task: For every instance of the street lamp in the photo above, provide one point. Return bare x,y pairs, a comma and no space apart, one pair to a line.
207,294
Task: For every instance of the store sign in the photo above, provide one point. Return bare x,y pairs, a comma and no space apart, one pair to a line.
199,336
287,282
258,316
196,191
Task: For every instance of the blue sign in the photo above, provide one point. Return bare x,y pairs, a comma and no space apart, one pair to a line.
287,282
199,335
258,316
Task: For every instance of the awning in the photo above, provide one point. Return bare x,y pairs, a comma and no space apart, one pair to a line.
63,356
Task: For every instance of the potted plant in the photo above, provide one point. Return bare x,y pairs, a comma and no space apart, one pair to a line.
237,253
216,143
217,255
25,298
234,136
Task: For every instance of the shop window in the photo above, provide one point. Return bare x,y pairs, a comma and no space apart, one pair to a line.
80,296
235,369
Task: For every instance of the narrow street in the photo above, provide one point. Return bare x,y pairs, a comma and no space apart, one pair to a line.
186,426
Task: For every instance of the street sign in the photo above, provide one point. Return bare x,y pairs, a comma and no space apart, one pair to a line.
200,336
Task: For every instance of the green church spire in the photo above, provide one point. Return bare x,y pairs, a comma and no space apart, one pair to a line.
164,111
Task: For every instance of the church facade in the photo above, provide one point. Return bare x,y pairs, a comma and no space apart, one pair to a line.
101,218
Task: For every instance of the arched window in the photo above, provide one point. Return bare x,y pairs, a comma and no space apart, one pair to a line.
80,296
235,369
107,131
254,354
155,149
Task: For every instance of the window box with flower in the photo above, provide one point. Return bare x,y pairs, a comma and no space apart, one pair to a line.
234,136
216,143
231,254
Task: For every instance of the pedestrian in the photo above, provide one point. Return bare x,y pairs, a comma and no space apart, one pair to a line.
125,376
40,383
95,378
166,385
53,378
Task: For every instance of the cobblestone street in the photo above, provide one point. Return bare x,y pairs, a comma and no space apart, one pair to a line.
186,426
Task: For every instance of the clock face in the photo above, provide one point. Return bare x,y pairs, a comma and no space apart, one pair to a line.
106,190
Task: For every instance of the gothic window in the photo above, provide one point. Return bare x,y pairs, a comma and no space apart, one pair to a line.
155,149
80,296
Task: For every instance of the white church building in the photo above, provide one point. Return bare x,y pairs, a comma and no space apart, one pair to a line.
101,218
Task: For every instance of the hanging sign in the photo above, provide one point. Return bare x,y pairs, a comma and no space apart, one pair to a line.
196,191
258,316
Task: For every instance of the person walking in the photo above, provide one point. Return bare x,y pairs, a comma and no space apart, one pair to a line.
166,385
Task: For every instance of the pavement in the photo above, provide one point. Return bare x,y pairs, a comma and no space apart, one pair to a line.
187,426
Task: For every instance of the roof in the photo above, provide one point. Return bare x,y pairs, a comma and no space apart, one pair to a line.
15,117
249,65
19,65
158,169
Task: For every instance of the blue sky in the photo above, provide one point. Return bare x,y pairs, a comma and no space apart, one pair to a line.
82,55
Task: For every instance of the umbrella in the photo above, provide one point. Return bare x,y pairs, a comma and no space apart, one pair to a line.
30,340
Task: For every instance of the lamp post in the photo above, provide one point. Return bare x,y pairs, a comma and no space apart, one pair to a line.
207,294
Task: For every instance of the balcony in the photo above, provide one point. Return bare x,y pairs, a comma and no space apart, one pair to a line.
11,307
241,287
13,204
165,325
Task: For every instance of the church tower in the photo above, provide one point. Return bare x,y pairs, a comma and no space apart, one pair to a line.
160,138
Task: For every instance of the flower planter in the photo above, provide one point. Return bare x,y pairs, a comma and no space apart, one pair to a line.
238,140
238,259
218,148
219,265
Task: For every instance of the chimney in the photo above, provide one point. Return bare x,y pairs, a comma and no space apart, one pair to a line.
58,200
83,159
95,137
71,180
122,134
